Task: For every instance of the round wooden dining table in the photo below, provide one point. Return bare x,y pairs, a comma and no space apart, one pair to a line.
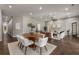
32,37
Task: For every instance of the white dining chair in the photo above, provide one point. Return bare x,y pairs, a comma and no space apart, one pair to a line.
19,40
43,35
59,36
42,43
62,35
25,42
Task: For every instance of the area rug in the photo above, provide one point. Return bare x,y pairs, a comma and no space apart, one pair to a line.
15,50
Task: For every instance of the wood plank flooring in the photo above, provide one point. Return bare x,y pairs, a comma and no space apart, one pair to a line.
68,46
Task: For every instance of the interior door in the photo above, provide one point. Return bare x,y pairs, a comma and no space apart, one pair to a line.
74,29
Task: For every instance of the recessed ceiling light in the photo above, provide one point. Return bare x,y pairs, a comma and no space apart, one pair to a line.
10,6
68,13
31,13
66,9
40,8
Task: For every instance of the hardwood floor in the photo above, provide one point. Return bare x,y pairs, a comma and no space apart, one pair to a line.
67,46
4,44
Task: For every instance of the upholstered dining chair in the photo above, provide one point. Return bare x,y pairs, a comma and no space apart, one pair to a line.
62,35
43,35
25,42
42,43
59,36
19,40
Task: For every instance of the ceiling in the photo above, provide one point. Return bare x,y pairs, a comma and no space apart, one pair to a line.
57,10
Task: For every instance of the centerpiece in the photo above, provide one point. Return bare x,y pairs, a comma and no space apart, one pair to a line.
32,26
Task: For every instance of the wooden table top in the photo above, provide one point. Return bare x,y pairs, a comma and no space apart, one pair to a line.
32,37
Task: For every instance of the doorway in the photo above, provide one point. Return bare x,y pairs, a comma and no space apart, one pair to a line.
74,29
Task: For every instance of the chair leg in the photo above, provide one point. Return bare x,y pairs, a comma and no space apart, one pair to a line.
25,50
40,51
18,43
22,46
46,48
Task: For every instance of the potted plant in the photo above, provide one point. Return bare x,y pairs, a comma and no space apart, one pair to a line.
32,26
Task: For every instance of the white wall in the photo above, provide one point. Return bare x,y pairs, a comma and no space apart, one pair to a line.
16,30
67,24
0,25
27,19
10,27
24,20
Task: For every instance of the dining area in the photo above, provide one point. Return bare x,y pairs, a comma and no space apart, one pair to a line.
31,44
32,40
35,41
33,34
39,34
44,30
